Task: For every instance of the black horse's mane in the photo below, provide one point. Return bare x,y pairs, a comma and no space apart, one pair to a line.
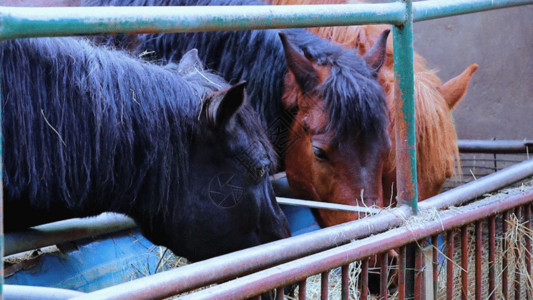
82,123
354,100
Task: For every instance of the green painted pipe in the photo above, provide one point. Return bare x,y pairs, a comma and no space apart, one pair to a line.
17,22
406,172
427,10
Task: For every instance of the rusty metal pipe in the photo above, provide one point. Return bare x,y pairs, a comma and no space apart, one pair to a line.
449,264
250,260
503,146
486,184
290,272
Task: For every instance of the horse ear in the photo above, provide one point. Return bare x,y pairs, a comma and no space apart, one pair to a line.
190,62
225,104
376,56
302,69
455,89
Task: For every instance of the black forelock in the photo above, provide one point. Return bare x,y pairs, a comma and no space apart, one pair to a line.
353,99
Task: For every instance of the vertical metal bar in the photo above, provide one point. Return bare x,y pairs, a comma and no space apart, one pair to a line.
449,265
435,243
405,118
479,258
492,260
302,289
384,276
527,216
401,273
464,263
324,285
505,264
518,258
280,293
419,272
345,282
364,279
1,204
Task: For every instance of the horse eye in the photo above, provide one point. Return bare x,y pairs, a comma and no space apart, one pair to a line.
319,153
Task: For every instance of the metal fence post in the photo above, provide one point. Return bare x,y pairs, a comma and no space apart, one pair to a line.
406,172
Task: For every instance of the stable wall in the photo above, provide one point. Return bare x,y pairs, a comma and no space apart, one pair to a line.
499,103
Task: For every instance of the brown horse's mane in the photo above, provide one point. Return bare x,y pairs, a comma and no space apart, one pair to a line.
437,151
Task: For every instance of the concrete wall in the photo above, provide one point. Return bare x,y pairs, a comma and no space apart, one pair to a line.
499,103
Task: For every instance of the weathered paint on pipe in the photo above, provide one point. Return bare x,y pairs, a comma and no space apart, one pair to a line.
65,231
16,292
293,271
428,10
235,264
406,172
503,146
17,22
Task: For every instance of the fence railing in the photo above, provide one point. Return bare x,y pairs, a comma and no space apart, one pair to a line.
16,22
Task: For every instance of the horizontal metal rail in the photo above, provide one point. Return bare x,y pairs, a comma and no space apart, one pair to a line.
18,22
428,10
242,262
294,271
65,231
503,146
17,292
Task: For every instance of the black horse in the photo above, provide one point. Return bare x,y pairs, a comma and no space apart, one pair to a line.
87,130
324,110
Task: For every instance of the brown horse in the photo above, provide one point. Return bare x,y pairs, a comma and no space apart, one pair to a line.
313,177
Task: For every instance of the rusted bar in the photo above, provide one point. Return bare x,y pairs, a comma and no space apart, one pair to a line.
345,282
492,260
302,289
518,258
364,279
435,244
464,263
527,213
471,190
384,276
299,269
228,266
505,256
401,273
324,281
479,258
280,292
449,264
419,272
487,146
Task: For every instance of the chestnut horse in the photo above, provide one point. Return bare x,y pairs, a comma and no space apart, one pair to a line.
437,152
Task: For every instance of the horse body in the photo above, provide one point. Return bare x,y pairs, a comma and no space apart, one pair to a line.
324,100
437,151
87,130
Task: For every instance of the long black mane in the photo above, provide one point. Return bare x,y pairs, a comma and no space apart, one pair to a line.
86,128
354,100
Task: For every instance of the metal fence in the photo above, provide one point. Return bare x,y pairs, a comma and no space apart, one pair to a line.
292,260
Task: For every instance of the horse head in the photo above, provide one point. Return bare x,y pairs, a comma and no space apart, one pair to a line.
232,204
338,140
